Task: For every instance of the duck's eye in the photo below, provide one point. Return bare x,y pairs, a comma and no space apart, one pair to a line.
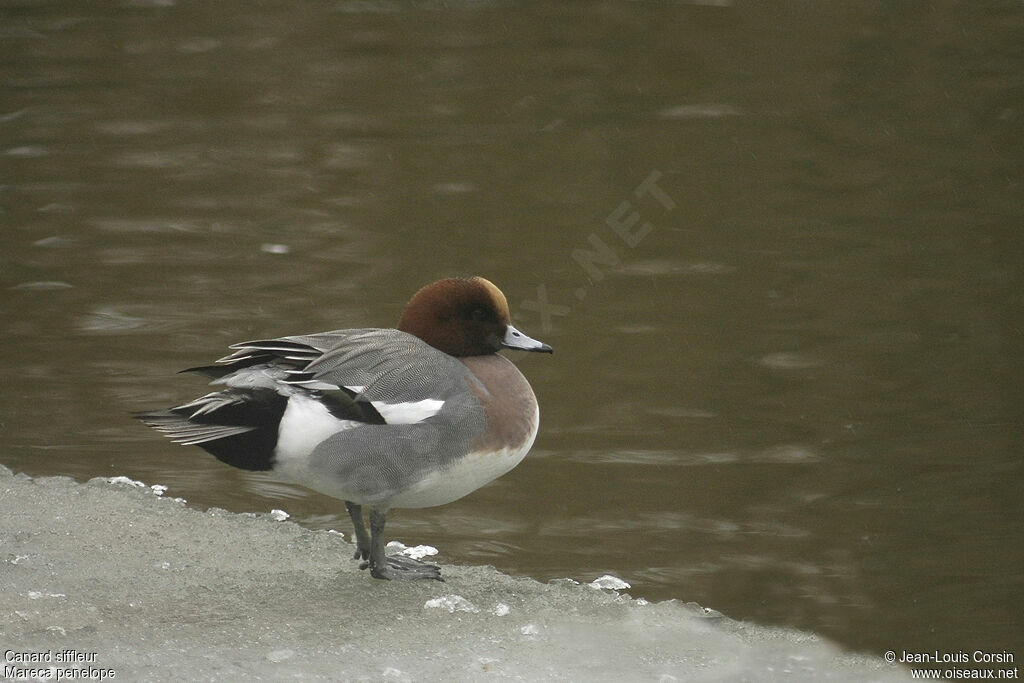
478,314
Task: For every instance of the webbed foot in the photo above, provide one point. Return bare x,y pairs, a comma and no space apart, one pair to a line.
403,568
391,567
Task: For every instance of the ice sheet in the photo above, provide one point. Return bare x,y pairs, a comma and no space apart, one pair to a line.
112,576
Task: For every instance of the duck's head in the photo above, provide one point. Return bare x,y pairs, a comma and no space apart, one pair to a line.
464,317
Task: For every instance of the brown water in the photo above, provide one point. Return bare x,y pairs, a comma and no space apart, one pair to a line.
776,246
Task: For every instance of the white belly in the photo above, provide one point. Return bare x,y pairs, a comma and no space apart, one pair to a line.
461,478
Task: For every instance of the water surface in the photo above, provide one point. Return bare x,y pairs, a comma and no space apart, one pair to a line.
776,247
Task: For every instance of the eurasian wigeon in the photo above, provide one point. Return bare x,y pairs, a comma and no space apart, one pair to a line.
406,418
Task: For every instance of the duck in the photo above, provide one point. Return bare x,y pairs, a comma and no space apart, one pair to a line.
411,417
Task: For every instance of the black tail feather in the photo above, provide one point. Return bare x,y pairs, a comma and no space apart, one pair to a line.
241,431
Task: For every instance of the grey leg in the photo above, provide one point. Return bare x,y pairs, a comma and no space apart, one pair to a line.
362,538
383,566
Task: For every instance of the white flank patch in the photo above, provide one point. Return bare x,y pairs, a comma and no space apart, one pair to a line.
408,413
305,424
